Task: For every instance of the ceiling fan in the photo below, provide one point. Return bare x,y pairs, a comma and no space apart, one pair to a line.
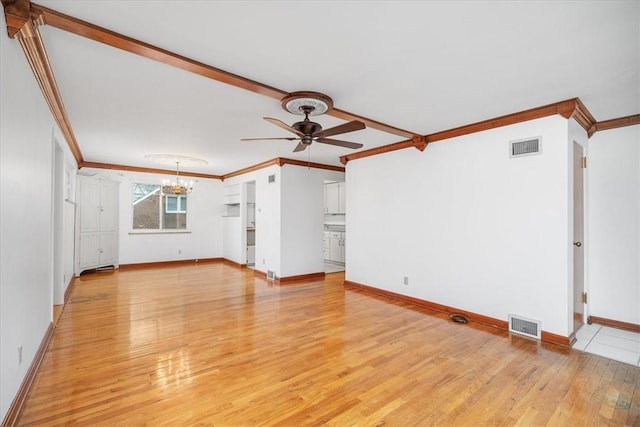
306,131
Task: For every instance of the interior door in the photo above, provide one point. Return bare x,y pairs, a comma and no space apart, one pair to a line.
578,237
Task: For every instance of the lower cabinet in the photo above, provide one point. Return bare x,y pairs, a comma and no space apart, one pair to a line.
97,250
251,255
334,246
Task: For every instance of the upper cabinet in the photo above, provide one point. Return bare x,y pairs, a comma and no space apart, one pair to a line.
232,194
334,198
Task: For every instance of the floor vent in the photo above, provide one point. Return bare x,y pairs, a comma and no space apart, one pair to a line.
271,275
525,147
524,326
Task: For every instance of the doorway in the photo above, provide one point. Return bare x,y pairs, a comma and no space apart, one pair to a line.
579,296
335,236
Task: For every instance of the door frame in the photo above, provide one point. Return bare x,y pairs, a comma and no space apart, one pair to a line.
579,308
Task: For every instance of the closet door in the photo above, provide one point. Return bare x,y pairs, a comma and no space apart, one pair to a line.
108,206
89,201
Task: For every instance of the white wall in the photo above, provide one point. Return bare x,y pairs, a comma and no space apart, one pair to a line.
613,240
303,219
267,217
26,262
289,218
204,222
470,227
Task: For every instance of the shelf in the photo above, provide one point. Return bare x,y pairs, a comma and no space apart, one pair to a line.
251,229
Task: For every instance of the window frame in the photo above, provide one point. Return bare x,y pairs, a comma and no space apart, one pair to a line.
161,211
179,205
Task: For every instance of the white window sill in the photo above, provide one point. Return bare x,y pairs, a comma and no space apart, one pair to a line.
133,232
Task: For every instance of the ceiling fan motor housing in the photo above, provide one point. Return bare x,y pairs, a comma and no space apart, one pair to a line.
307,127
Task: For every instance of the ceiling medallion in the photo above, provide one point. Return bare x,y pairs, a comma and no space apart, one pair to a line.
170,159
296,102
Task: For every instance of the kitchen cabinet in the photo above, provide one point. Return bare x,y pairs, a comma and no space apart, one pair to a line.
232,194
97,223
334,246
335,197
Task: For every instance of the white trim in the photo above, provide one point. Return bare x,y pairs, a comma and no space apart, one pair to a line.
134,232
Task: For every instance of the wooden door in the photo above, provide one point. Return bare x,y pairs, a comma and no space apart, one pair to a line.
578,237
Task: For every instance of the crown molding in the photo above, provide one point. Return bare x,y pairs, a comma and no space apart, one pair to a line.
126,168
16,13
570,108
617,123
129,44
31,43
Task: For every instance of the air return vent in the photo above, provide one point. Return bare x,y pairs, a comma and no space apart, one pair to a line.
272,178
525,147
271,275
522,325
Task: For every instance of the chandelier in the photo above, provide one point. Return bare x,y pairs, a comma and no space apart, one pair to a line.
178,187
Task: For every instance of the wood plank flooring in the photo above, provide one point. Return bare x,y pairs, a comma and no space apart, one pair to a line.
210,344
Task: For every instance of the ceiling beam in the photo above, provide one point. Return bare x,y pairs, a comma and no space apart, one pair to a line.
120,41
418,142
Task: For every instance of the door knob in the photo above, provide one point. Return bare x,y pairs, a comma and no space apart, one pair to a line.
578,244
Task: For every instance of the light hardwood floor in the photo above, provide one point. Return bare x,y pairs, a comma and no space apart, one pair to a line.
210,344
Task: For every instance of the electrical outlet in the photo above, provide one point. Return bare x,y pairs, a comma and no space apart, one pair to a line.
405,280
179,251
19,355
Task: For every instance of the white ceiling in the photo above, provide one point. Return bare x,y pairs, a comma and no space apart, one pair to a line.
423,66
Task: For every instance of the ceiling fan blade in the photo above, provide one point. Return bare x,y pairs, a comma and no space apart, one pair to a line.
340,143
343,128
287,138
300,147
283,125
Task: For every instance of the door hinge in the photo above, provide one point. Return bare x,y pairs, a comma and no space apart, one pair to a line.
584,297
584,162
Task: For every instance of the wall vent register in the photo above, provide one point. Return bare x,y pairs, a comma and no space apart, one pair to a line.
523,326
525,147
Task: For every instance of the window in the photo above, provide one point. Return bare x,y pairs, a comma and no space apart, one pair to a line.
176,204
153,210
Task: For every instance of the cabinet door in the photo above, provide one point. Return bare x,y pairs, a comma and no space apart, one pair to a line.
108,206
251,254
89,254
342,190
89,201
333,197
335,249
106,249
